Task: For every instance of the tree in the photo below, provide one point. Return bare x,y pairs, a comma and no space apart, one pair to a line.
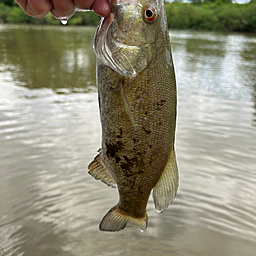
8,2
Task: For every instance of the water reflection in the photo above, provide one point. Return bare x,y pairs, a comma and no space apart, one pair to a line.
39,57
49,132
248,65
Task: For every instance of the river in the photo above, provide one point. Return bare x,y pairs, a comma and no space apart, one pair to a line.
50,131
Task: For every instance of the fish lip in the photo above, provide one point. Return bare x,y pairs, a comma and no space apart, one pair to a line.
107,21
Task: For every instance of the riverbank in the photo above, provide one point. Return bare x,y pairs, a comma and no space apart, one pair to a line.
213,16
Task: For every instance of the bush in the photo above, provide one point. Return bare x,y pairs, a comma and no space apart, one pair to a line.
179,15
4,12
50,20
88,18
204,19
16,15
230,18
212,16
249,17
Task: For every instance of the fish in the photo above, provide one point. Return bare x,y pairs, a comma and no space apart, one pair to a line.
137,102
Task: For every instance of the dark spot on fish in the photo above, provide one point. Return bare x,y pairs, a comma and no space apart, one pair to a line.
117,159
120,136
112,149
131,167
160,122
128,164
160,104
135,140
150,146
147,131
146,112
140,191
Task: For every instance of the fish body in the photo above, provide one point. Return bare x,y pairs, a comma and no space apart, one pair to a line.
137,101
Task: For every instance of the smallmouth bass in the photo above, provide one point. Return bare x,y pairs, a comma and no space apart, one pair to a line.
137,101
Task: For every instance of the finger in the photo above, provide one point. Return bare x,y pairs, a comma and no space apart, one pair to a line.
35,8
62,8
101,7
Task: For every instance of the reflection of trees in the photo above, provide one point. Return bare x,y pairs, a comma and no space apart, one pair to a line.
50,57
248,65
254,100
208,44
200,48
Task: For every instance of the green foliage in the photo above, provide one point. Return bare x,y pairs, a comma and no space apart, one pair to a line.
50,20
230,18
212,16
84,18
179,15
16,15
249,17
4,11
7,2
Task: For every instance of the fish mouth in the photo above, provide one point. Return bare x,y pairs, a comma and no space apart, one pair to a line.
112,56
108,49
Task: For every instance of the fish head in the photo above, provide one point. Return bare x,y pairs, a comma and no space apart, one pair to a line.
128,40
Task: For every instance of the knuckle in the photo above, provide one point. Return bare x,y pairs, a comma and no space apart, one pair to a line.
37,12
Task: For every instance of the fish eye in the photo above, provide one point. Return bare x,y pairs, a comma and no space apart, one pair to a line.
149,14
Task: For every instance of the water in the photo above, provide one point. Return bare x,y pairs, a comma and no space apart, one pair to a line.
64,20
50,131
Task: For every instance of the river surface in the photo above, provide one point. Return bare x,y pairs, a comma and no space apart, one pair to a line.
50,131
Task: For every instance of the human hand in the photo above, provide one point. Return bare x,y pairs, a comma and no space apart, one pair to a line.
62,8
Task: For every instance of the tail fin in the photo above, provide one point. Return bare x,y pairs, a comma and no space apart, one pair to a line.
116,220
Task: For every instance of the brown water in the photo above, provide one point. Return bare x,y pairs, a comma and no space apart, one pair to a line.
50,131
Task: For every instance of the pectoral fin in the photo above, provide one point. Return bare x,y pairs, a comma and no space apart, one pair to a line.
100,171
127,107
165,190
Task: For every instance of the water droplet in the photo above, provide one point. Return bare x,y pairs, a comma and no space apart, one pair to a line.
81,10
64,21
142,230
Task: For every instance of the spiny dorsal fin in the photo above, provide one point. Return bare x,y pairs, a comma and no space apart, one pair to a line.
99,170
116,220
166,188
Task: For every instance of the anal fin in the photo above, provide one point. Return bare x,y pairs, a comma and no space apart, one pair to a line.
166,188
99,171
